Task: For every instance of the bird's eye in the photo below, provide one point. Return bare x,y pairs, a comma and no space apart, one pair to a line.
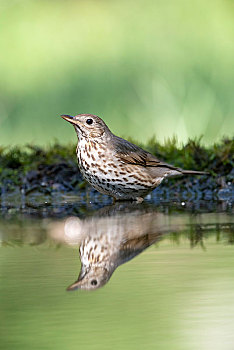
94,282
89,121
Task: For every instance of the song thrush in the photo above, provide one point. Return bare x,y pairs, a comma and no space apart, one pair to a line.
115,234
110,241
114,166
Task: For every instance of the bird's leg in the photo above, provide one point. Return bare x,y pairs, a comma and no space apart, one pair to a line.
139,199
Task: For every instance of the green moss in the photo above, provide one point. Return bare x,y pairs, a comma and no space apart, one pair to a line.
30,157
218,159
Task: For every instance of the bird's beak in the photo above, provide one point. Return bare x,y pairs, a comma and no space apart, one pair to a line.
74,286
69,118
78,283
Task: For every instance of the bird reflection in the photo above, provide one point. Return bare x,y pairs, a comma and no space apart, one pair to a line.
110,238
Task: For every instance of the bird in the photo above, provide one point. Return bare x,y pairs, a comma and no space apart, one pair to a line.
115,166
112,239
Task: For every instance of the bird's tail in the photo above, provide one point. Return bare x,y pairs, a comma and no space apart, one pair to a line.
194,172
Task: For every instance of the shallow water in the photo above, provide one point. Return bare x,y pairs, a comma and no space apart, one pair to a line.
167,281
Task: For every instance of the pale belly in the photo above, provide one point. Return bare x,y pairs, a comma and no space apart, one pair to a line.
111,177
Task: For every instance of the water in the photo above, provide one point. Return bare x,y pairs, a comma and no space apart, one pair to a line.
168,283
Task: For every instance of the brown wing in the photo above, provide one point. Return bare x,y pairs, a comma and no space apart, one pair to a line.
129,153
133,247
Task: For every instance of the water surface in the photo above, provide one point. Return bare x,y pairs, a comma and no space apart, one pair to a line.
172,286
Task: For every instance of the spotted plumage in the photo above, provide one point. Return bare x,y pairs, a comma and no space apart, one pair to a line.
108,241
114,166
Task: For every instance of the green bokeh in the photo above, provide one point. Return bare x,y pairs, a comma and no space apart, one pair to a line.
147,67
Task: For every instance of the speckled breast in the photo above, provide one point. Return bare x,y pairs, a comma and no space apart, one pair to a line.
98,248
108,175
93,164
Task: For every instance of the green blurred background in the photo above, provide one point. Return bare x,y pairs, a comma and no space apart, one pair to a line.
162,67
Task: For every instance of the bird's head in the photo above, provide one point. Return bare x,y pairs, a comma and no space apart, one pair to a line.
91,278
88,125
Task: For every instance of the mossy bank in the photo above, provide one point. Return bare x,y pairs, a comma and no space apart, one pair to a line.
31,169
